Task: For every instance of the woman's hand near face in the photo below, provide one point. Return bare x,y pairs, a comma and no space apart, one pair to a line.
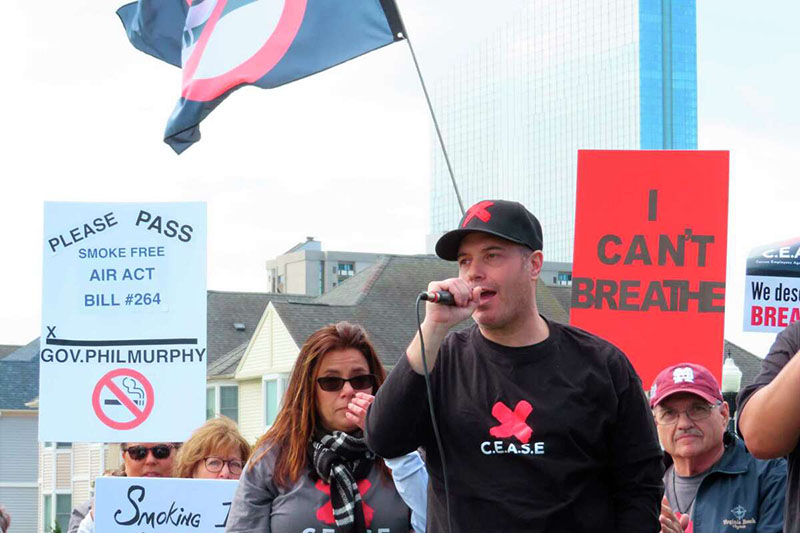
357,408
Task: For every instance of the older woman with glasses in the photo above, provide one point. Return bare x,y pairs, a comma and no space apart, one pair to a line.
312,470
216,450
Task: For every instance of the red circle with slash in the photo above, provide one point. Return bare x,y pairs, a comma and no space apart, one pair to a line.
120,398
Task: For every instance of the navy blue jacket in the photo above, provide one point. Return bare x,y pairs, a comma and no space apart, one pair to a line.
741,493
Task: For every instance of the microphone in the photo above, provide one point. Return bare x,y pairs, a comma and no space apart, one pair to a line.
438,297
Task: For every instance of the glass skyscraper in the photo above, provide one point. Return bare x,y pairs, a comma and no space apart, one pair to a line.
564,75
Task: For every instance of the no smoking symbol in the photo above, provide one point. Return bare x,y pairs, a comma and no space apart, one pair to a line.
123,398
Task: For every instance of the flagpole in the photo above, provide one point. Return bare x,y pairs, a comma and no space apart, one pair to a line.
433,115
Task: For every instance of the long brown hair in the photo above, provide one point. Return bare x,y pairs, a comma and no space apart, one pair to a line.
296,421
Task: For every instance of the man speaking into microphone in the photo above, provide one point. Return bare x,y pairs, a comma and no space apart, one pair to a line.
544,427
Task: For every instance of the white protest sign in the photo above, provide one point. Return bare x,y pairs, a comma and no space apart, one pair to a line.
772,287
136,504
123,345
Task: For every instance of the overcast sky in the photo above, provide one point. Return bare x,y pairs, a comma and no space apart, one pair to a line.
343,156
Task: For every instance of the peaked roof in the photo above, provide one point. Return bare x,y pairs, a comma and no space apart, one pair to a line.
749,364
243,308
19,376
6,349
225,366
381,298
29,352
563,294
308,244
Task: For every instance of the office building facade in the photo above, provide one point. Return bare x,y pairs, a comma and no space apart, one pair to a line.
564,75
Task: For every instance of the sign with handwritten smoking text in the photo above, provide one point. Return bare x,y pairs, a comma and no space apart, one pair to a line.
650,255
772,287
123,345
162,505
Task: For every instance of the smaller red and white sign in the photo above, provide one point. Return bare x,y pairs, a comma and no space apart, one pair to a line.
123,399
772,287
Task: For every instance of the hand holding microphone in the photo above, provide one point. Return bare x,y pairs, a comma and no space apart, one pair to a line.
456,302
438,297
440,318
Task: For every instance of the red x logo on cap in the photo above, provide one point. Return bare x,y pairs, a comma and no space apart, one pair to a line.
512,422
478,210
325,513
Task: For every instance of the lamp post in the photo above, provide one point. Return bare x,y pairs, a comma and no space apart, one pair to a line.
731,382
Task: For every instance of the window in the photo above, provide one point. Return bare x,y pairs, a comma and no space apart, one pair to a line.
63,509
59,445
222,399
229,402
273,388
211,402
271,399
346,270
47,521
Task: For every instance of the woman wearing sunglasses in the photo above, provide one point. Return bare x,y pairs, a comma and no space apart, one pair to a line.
140,459
216,450
149,459
312,470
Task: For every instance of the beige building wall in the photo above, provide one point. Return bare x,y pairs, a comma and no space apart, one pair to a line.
272,349
55,476
251,409
89,461
258,354
271,353
296,278
81,473
73,471
285,351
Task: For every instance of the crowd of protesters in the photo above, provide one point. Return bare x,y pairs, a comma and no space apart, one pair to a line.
516,423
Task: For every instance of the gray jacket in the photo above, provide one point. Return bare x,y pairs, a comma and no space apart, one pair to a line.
259,506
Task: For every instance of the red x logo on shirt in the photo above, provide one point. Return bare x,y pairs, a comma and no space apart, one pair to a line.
478,210
325,513
512,422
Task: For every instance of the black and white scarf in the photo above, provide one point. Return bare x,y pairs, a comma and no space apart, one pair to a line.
341,460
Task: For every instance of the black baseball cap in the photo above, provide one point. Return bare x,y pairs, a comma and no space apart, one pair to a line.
501,218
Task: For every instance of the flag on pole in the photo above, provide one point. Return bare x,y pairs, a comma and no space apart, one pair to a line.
155,27
223,45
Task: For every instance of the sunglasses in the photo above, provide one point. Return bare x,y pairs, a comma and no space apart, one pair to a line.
335,384
138,453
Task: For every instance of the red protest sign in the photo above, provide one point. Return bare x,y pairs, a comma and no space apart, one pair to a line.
650,254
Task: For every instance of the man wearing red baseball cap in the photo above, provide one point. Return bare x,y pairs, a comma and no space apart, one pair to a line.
544,427
713,483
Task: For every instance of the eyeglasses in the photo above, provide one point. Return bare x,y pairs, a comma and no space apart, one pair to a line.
334,384
138,453
215,464
698,411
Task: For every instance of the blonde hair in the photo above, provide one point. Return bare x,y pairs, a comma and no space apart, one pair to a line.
215,437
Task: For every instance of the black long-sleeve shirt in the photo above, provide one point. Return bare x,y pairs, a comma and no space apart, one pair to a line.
786,345
551,437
